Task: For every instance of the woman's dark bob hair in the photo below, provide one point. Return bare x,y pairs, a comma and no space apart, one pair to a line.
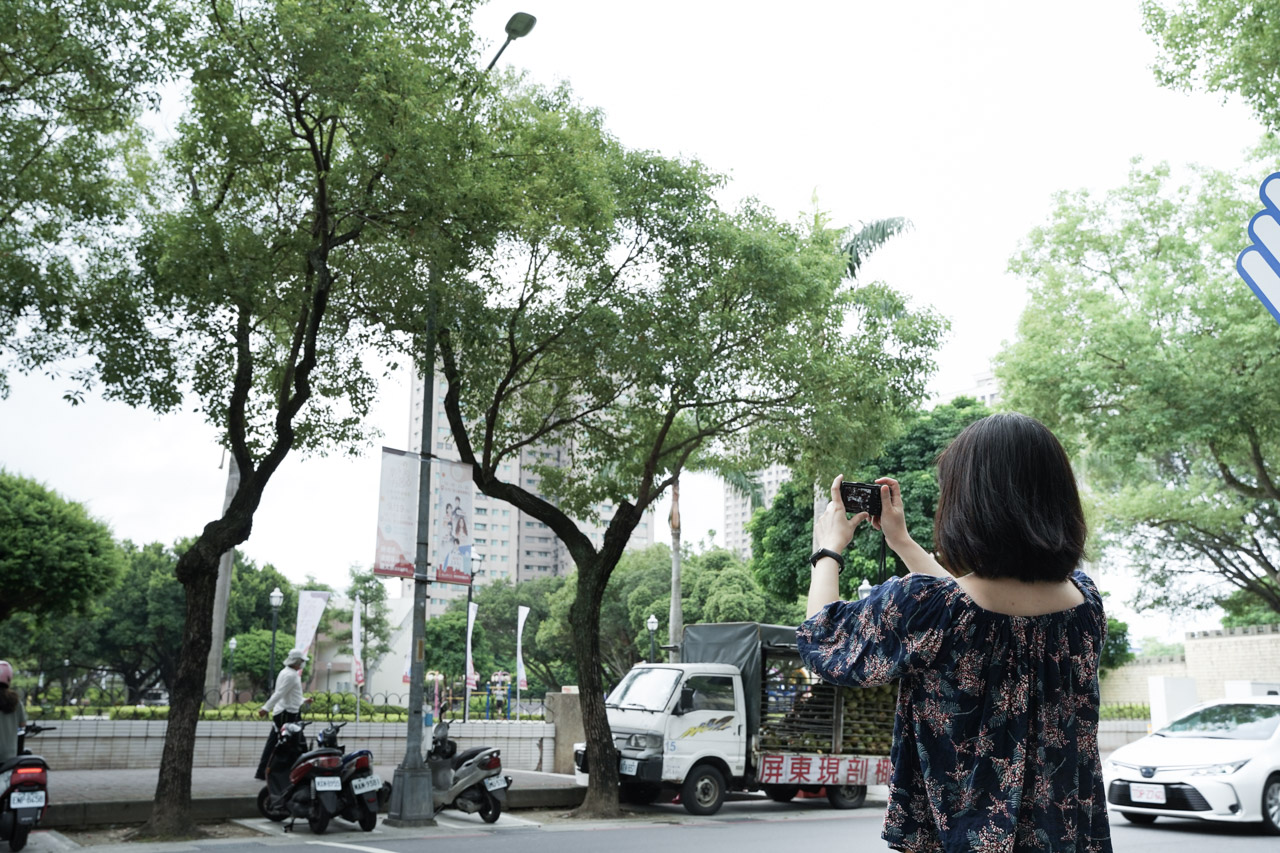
1007,503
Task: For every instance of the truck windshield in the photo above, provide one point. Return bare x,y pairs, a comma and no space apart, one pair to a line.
647,689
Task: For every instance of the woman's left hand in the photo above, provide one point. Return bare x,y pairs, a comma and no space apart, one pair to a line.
834,528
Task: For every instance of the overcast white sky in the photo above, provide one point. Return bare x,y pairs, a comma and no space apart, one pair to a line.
963,117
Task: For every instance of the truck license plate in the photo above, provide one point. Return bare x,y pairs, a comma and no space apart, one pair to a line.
26,800
1140,793
328,783
361,784
628,767
493,783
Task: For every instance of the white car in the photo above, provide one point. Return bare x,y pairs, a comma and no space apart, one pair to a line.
1220,761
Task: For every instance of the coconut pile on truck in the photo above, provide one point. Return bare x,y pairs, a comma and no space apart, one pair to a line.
741,713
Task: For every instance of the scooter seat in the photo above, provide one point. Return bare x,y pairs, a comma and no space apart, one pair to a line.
317,753
22,761
466,755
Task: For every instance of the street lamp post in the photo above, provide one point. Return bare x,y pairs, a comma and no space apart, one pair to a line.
276,598
231,644
328,671
411,788
652,624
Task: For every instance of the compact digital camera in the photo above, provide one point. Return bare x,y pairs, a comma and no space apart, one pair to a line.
861,497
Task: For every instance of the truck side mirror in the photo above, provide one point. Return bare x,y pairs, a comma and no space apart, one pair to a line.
685,705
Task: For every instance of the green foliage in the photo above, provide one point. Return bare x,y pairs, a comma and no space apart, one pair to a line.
54,558
1145,353
1244,609
1115,651
73,77
1124,711
911,459
1154,648
446,646
782,540
547,667
375,627
1228,46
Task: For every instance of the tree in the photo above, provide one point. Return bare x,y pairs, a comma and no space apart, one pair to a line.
782,540
1244,609
446,646
911,459
1115,651
1228,46
252,662
1155,648
323,140
54,557
1142,348
546,665
72,78
375,627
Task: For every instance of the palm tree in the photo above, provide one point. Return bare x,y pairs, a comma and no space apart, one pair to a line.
860,242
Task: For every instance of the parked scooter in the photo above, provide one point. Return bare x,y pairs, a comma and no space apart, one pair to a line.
301,783
363,791
25,781
470,781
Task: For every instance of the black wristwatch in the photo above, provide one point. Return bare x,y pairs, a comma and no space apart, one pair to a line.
827,552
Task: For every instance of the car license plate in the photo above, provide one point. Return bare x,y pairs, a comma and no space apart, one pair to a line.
328,783
1140,793
361,784
493,783
26,800
628,767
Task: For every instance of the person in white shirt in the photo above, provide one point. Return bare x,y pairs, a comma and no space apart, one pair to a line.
288,697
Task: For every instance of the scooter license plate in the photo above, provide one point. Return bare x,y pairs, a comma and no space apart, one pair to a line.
26,800
362,784
328,783
493,783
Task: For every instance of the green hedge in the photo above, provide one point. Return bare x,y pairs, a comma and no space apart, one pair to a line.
1125,711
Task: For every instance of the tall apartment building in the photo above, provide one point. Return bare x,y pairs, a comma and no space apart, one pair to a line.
737,508
737,505
508,543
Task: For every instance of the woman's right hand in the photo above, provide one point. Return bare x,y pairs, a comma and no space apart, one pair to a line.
892,520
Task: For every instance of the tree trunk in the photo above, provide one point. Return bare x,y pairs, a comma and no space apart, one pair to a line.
602,757
675,622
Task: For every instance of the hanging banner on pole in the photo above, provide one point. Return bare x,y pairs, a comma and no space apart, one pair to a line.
452,525
408,679
521,681
310,608
397,514
357,647
473,680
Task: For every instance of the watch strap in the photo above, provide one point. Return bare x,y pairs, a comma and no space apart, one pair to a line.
827,552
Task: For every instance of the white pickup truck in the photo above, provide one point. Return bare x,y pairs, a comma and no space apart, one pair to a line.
740,713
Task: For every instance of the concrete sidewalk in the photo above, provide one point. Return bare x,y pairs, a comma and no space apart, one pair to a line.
79,798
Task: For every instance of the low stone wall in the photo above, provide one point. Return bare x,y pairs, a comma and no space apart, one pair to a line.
110,745
1113,734
1127,685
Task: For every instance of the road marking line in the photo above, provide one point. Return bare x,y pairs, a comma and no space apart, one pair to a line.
351,846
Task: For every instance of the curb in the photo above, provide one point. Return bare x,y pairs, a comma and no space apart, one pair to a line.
231,808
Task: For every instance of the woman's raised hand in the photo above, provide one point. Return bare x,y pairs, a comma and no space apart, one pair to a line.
892,519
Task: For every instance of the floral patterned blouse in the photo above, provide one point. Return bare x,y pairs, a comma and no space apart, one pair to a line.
995,742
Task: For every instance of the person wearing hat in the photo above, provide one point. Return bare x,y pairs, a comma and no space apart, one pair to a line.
12,715
288,697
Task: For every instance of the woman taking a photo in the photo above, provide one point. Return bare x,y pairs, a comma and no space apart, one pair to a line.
995,644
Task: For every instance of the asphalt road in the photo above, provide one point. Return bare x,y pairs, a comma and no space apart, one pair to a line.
747,825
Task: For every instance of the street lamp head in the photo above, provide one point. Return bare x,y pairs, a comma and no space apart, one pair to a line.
864,589
652,622
520,25
276,597
231,644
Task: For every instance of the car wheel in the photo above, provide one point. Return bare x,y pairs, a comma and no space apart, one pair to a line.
703,790
847,796
1271,804
1139,818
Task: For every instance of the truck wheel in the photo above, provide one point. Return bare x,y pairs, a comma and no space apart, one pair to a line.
847,796
703,790
781,793
639,793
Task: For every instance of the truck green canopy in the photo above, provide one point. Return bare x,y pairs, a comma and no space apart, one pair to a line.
746,645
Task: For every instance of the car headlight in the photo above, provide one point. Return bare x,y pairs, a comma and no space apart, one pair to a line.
1217,769
641,740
